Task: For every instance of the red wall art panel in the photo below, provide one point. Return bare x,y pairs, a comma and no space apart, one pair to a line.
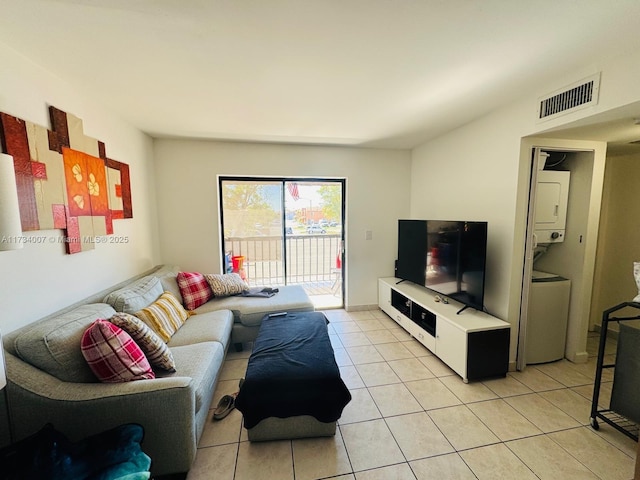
65,180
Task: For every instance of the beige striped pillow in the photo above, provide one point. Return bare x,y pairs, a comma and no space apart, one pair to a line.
164,316
156,351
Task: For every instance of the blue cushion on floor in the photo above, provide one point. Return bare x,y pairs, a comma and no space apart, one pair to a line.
114,454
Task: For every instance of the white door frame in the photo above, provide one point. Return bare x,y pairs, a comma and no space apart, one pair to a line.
530,245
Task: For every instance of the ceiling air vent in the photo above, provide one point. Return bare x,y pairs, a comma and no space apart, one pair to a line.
568,99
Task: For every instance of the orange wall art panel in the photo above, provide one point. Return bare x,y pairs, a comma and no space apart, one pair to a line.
65,180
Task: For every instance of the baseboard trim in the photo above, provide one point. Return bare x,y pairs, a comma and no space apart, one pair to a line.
580,357
360,308
611,333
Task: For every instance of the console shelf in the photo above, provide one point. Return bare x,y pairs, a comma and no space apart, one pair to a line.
474,344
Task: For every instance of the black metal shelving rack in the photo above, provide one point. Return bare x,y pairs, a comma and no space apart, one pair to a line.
609,416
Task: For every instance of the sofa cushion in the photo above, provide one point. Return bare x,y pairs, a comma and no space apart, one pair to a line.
166,270
135,296
112,354
205,327
170,284
167,275
194,288
202,363
250,310
156,351
226,284
164,316
54,345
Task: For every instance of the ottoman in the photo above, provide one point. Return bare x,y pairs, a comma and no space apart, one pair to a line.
292,388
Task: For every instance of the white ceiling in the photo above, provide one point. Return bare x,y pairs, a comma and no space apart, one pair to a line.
384,73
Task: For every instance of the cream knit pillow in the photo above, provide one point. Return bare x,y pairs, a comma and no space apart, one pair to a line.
226,284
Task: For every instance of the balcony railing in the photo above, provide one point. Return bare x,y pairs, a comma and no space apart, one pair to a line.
311,261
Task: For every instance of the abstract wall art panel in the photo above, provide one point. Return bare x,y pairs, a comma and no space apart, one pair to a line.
65,180
121,189
16,143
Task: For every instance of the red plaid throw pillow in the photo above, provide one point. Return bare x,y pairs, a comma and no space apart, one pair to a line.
194,288
113,355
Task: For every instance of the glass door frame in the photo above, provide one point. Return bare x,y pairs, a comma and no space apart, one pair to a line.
340,259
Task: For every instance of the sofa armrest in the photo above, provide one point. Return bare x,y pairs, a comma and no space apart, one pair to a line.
165,407
45,385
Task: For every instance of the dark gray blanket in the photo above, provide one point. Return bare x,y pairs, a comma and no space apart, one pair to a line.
292,371
625,393
259,292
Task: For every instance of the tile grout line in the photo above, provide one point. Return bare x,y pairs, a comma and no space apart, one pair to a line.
413,356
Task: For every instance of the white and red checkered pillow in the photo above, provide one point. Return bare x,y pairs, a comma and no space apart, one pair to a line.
194,288
112,354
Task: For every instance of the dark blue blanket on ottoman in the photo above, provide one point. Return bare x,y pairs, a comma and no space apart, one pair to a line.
292,371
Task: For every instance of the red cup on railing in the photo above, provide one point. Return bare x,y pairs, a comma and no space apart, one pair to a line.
237,262
238,266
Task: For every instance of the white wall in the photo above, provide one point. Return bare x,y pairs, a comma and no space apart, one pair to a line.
377,195
478,172
619,236
471,174
40,279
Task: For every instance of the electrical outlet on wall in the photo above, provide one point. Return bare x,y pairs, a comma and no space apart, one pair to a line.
368,235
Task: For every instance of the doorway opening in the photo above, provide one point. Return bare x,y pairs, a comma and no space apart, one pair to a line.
285,231
559,251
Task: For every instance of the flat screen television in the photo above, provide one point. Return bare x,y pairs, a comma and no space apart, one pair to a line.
448,257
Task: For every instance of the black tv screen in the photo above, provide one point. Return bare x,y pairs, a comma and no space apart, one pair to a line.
448,257
412,251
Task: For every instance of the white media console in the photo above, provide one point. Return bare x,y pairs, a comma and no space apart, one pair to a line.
474,344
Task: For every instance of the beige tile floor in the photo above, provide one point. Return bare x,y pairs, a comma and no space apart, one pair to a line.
412,418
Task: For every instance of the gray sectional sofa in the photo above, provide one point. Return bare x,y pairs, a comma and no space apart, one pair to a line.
50,382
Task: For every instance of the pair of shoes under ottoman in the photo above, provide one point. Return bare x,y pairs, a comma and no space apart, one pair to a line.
292,388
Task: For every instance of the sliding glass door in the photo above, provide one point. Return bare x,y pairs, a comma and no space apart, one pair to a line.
285,231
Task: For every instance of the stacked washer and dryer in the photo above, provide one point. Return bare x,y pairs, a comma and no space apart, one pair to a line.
549,293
